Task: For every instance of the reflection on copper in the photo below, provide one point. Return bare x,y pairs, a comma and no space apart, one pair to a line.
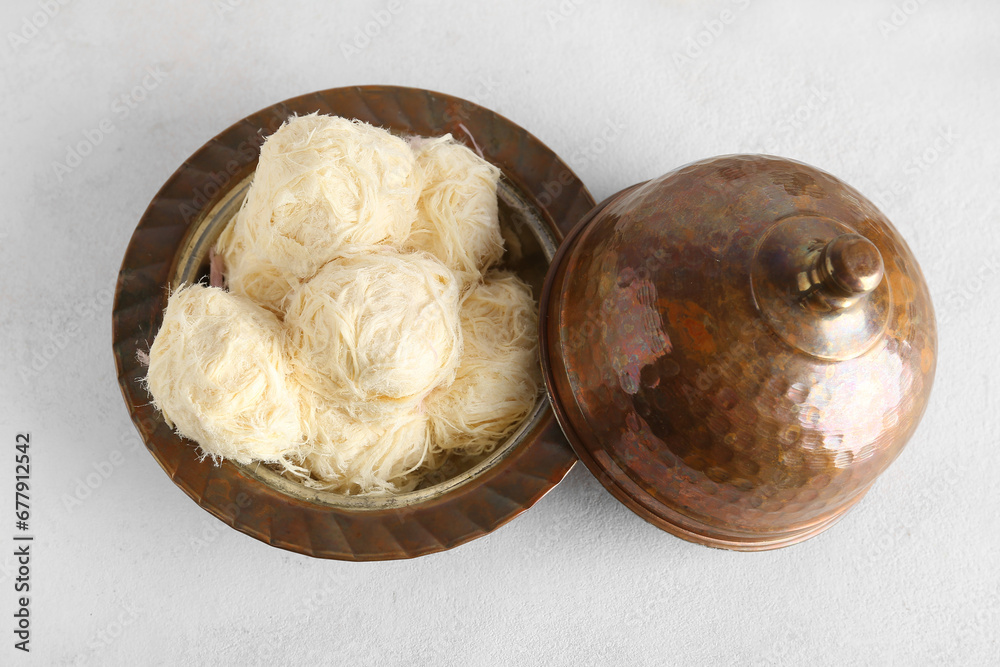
738,349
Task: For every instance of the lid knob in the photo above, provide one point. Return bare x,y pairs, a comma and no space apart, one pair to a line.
819,284
847,268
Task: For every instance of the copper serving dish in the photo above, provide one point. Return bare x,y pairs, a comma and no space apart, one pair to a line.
170,246
736,350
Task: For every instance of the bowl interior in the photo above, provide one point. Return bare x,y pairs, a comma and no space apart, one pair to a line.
530,245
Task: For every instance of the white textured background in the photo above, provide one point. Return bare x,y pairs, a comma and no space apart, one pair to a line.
900,99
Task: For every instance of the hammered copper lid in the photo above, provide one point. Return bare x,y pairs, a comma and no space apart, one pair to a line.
738,348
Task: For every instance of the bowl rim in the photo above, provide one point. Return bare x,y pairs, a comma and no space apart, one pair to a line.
242,500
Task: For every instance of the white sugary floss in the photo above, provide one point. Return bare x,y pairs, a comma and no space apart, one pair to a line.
375,331
498,379
219,374
364,343
322,182
457,210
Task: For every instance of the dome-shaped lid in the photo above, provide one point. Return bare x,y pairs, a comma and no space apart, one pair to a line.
737,349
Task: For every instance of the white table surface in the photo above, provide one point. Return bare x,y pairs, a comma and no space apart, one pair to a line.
900,99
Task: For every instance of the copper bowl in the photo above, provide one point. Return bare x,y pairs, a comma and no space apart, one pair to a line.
738,349
170,246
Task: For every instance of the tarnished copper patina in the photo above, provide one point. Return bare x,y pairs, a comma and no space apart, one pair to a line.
738,349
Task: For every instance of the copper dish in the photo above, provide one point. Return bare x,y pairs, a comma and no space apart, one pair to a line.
170,246
738,349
